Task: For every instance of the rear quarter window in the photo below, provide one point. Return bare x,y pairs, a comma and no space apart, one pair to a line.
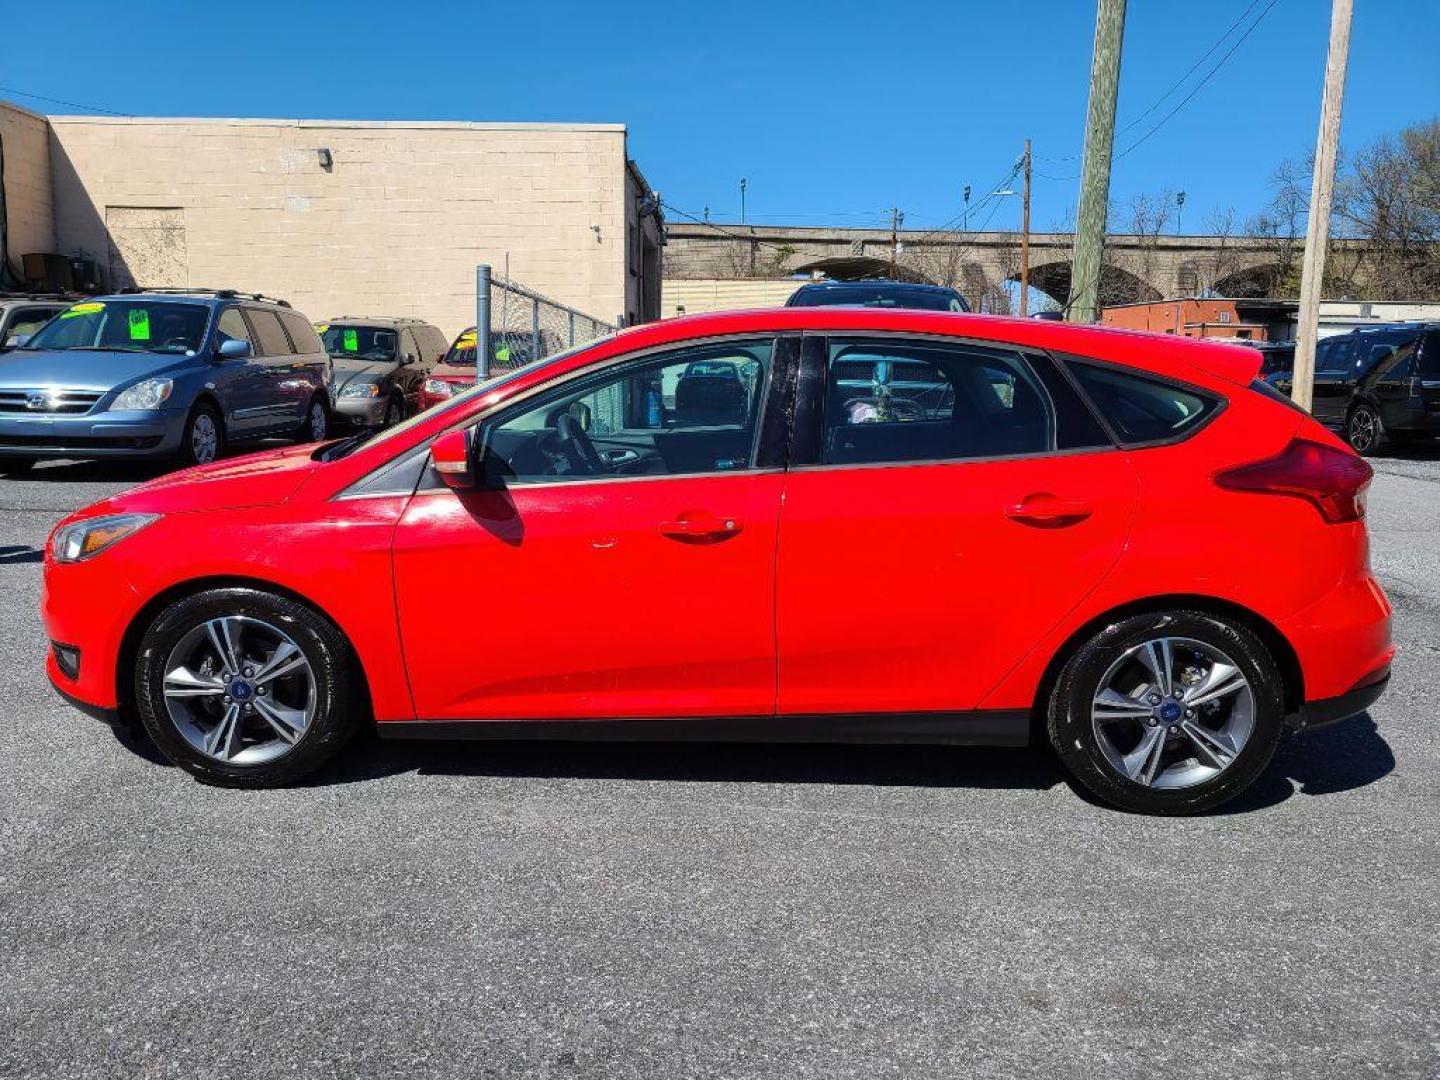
1142,409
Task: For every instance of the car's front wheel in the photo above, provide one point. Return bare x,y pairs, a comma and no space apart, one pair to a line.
204,438
245,688
1168,713
394,413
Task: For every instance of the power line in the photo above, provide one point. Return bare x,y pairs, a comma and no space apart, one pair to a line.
1174,86
59,101
1201,84
1191,70
723,231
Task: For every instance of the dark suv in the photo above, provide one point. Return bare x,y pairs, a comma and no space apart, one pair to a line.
1380,385
879,294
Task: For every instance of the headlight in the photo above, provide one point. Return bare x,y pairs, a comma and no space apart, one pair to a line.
364,389
72,543
439,387
149,394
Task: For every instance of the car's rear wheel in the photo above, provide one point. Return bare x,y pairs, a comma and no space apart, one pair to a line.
1168,713
245,688
317,421
1365,431
204,437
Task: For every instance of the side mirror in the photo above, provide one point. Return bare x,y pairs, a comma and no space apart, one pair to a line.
408,358
15,341
233,349
580,413
451,456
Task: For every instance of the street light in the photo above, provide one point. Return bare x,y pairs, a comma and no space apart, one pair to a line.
1179,210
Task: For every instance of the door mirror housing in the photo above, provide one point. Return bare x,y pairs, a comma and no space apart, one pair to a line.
408,358
453,458
580,413
233,349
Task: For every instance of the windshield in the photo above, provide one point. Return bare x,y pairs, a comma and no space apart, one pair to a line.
508,350
886,296
358,342
161,326
334,451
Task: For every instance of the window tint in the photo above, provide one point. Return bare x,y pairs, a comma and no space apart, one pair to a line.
1142,409
141,325
273,341
1333,354
302,334
889,401
28,320
231,327
1075,425
692,411
1430,355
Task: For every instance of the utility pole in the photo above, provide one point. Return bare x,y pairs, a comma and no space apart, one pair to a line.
1025,240
894,239
1095,175
1322,189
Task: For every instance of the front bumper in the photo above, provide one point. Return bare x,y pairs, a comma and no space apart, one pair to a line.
92,435
360,412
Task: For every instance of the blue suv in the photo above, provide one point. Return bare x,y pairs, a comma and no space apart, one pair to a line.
162,375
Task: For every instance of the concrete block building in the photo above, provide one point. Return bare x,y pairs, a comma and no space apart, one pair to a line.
340,217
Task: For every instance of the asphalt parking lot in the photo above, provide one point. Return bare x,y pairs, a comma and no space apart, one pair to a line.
691,911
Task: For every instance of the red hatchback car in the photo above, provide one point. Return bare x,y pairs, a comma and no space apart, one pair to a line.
800,524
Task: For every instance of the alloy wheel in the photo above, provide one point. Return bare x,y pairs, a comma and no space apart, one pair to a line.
317,421
239,690
1364,427
1172,712
204,439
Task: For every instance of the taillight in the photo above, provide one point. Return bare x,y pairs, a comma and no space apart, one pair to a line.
1331,479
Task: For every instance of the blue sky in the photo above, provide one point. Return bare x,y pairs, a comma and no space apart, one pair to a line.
834,110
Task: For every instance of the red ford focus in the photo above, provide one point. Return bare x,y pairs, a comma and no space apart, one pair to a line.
802,524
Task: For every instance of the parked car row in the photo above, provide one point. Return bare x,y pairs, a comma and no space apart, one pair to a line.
183,374
1379,386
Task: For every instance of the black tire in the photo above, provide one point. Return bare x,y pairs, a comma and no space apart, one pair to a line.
1365,431
16,466
308,426
394,412
195,450
338,697
1073,734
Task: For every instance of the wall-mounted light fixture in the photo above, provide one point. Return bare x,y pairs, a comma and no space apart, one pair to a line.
596,230
327,159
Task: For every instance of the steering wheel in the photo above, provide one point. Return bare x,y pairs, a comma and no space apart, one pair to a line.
577,445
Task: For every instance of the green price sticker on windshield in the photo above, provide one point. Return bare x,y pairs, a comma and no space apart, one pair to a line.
351,340
139,320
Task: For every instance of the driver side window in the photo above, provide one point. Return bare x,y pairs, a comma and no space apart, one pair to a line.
694,410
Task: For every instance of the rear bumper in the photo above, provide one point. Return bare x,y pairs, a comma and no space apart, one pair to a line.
107,434
1316,714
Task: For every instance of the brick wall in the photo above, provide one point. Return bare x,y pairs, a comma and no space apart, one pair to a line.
395,226
27,182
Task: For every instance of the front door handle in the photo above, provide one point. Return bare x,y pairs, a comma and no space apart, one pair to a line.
1045,511
700,528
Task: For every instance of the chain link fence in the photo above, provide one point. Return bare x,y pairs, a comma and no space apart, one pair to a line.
525,325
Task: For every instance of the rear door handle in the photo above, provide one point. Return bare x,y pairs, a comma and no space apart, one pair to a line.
701,528
1048,512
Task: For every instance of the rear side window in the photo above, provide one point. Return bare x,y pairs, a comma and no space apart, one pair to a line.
1430,355
302,334
1142,409
273,341
895,401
